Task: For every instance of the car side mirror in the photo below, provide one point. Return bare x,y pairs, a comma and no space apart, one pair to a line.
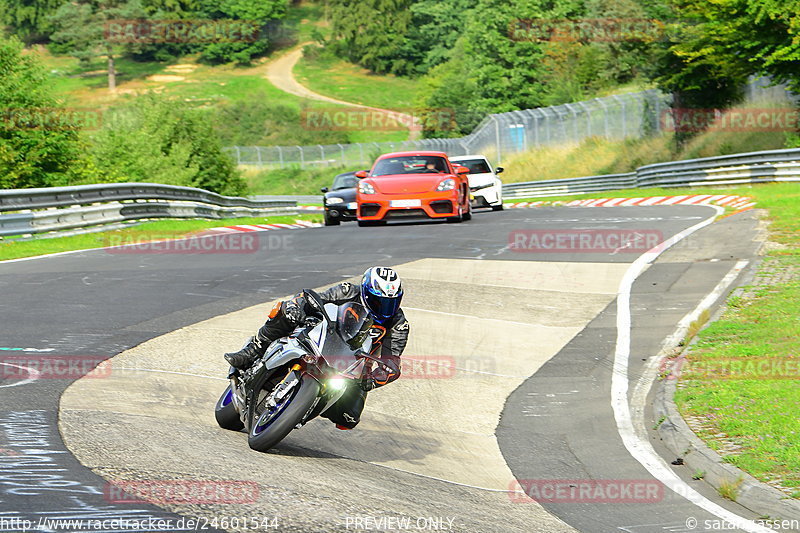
361,174
324,189
462,170
498,170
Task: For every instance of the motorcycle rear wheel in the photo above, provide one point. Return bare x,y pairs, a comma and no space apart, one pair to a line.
264,434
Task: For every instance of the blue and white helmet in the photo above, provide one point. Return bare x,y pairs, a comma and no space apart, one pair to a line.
381,292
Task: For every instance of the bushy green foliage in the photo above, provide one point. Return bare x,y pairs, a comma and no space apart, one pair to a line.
28,18
262,123
38,142
371,32
242,51
163,141
432,33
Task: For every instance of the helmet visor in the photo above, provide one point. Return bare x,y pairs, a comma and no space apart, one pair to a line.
382,306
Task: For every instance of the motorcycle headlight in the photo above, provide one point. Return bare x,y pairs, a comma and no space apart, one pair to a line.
365,188
334,200
447,185
337,383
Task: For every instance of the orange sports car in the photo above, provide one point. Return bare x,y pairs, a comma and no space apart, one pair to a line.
413,185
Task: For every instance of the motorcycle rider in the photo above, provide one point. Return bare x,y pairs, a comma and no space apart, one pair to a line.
380,292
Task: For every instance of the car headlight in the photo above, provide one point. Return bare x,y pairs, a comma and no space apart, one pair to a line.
447,185
333,200
365,188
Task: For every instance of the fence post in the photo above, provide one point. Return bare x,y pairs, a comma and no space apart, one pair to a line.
361,150
624,115
497,137
258,151
574,122
657,109
341,149
588,118
602,104
302,157
280,156
238,156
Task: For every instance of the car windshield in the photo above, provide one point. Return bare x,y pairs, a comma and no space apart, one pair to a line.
345,181
414,164
475,166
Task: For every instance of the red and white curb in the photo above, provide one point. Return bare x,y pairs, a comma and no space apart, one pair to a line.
311,207
300,224
732,201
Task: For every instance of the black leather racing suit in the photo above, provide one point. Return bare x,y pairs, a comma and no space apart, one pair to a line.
388,341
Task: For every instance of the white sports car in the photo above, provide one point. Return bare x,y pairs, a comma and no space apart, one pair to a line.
486,187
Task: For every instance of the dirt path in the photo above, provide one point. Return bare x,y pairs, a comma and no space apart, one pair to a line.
279,73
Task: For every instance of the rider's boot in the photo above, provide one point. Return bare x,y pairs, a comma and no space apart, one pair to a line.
254,349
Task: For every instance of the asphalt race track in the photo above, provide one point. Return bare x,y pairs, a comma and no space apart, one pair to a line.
508,377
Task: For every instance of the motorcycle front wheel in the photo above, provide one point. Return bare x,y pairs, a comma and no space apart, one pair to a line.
271,426
225,412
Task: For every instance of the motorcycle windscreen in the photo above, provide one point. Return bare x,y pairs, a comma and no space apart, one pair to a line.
353,324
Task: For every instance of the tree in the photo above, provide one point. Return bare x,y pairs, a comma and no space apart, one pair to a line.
431,35
28,19
254,15
82,29
38,143
371,32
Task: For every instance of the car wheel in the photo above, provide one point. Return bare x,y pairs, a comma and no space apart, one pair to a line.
497,207
331,221
468,214
367,223
458,218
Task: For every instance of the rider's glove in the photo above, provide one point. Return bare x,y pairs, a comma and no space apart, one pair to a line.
367,384
381,375
292,312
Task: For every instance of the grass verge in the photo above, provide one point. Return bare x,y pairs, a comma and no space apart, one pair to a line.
752,422
159,229
328,75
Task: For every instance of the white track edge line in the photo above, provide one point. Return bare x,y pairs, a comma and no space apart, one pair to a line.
640,449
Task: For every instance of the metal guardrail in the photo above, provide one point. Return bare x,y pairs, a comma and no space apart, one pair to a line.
738,169
43,210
